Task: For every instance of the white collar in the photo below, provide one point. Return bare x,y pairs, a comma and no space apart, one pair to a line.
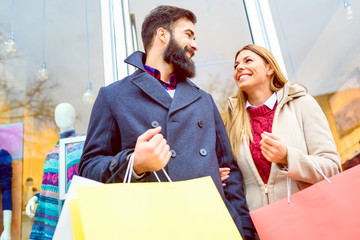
270,103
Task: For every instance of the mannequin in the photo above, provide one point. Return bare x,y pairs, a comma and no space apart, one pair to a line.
64,118
47,211
5,182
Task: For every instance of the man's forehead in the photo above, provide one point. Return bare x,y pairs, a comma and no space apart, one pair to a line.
183,24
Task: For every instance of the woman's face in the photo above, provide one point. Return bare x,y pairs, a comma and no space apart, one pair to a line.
251,72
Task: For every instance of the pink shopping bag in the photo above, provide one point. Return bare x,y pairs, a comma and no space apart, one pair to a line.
322,211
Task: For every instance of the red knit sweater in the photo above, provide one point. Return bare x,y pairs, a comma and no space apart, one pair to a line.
261,119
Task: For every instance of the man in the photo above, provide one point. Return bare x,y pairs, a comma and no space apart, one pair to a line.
158,117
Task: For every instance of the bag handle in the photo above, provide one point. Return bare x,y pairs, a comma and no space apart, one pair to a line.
288,180
129,169
321,172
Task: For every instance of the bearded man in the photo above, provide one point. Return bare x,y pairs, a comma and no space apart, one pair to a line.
159,119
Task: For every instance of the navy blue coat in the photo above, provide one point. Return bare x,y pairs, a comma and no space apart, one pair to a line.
190,123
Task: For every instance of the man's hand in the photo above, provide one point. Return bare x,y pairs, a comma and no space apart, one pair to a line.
273,149
151,152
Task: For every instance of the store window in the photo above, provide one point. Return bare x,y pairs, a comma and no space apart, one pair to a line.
320,43
57,34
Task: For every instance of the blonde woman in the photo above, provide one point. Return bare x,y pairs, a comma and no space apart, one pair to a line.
277,131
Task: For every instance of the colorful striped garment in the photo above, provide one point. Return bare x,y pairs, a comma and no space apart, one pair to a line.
47,211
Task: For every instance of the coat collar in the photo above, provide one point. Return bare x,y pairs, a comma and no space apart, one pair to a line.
186,92
284,95
137,59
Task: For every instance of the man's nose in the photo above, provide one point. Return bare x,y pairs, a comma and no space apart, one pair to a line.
194,45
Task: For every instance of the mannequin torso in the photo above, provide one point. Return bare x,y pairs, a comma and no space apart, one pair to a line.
47,212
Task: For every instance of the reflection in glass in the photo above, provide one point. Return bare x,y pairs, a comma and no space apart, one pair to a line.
43,73
349,12
25,99
88,96
10,44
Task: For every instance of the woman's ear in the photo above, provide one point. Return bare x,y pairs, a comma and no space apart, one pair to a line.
270,71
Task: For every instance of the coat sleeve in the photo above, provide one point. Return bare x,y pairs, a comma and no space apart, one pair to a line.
102,156
234,192
320,146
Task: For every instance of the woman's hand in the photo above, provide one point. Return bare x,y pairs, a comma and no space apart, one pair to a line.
273,149
224,173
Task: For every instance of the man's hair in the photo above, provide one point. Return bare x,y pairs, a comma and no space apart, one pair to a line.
162,17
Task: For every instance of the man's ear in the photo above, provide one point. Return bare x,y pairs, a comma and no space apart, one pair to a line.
163,35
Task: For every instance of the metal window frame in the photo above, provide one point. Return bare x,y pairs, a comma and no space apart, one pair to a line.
119,40
263,29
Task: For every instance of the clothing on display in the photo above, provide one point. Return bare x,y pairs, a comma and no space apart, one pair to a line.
5,179
47,212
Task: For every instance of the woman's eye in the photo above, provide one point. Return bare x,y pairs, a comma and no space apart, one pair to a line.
235,66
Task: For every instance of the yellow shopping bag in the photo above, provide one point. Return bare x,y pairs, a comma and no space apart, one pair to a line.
186,210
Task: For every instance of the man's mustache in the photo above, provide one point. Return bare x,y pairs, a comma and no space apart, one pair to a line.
188,49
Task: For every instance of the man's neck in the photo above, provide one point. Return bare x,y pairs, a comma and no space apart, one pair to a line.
158,63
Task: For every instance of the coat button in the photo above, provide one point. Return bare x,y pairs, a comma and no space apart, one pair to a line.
201,123
113,163
154,124
203,152
173,153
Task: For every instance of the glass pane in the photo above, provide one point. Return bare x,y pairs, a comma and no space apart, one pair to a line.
321,46
61,40
221,30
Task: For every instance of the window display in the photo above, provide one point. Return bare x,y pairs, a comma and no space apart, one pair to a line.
60,40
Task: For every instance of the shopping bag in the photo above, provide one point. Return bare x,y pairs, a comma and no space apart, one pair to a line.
77,229
322,211
186,210
64,228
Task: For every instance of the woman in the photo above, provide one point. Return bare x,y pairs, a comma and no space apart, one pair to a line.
277,131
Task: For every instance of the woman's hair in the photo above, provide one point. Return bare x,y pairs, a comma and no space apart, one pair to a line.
237,122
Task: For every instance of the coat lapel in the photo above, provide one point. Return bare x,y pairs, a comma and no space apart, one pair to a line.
152,88
185,94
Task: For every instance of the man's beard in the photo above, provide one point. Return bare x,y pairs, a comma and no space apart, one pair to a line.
183,65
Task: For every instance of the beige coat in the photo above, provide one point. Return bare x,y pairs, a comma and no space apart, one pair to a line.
300,123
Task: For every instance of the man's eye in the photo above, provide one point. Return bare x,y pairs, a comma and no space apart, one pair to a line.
235,66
